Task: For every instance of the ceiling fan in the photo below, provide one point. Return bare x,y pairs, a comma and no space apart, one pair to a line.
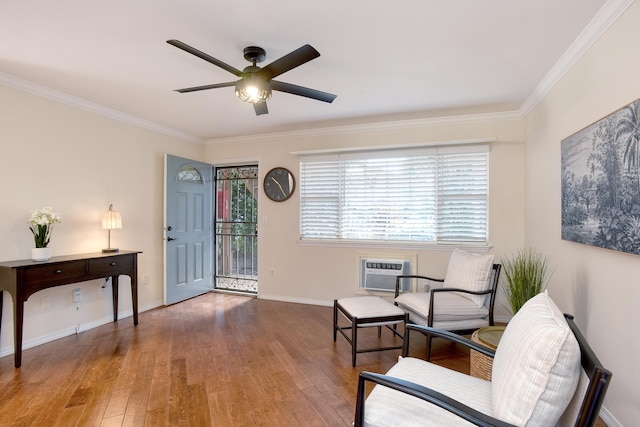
255,84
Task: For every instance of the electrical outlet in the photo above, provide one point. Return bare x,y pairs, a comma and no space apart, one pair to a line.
77,295
145,279
272,272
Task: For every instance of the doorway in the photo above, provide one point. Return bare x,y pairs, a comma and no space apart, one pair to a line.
236,229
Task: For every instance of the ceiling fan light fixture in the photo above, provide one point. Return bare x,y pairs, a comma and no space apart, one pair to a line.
253,89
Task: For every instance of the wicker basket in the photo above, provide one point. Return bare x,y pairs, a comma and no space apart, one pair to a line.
481,365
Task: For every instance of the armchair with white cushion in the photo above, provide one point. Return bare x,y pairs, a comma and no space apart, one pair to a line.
544,374
463,303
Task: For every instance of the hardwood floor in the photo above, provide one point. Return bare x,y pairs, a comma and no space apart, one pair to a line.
215,360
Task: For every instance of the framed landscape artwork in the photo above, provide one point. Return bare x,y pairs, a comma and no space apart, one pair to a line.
601,182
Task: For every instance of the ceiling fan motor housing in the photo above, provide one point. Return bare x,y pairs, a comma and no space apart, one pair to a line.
254,54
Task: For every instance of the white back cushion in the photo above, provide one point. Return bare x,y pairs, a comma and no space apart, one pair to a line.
471,272
536,367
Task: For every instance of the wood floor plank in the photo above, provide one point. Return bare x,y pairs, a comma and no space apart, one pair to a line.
70,416
97,404
215,360
137,404
159,393
112,421
117,402
178,394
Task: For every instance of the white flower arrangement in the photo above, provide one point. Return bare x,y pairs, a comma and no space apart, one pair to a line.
41,225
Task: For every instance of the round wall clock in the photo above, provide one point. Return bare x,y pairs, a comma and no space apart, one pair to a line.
279,184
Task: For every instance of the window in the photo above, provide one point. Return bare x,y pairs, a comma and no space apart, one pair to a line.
432,195
189,173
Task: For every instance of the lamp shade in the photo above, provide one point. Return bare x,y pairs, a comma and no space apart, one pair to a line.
111,220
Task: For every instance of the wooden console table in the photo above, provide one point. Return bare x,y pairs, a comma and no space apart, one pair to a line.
25,277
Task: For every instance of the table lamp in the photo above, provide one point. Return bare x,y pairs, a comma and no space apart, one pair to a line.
111,220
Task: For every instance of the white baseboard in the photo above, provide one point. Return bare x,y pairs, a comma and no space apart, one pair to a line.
43,339
609,419
296,300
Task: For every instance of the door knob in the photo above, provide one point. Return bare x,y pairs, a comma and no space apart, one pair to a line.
171,238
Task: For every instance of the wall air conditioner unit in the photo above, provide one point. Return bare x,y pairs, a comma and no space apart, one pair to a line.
380,274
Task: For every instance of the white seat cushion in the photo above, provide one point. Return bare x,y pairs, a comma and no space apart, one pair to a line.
471,272
536,367
370,307
450,325
388,408
447,306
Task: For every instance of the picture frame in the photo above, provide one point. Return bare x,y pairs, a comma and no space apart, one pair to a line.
601,182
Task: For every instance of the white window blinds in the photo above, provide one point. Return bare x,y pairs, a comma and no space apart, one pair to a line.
436,195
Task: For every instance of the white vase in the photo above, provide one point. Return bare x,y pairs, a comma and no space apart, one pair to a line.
40,254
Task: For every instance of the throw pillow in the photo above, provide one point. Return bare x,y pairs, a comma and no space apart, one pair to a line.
471,272
536,367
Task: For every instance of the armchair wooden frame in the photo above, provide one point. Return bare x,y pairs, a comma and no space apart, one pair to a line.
599,379
495,279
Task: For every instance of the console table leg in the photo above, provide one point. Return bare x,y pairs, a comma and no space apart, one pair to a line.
18,318
114,289
134,299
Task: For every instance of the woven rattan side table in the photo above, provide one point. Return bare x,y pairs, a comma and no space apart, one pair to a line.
481,365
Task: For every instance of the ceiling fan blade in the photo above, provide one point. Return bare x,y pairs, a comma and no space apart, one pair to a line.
205,87
288,62
302,91
261,108
202,55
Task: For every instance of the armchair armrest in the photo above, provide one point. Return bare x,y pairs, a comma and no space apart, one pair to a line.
466,291
433,332
423,393
412,276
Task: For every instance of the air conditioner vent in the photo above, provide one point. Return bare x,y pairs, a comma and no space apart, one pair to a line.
380,274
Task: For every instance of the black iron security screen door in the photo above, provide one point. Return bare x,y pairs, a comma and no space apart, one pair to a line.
236,229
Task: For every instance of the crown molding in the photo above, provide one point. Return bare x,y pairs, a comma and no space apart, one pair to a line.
600,23
82,104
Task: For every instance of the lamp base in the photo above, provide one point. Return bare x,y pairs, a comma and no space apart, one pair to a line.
108,250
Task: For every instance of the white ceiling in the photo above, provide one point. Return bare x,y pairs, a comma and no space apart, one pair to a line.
385,60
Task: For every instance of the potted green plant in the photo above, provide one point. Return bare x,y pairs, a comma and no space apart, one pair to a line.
524,275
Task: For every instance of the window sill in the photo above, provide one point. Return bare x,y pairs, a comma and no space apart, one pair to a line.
471,247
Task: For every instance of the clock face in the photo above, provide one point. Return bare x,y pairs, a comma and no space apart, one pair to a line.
279,184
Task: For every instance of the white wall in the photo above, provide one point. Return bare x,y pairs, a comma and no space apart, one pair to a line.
601,287
318,274
78,163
